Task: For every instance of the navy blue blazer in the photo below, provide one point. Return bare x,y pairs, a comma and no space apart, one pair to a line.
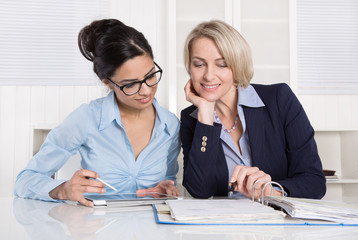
281,140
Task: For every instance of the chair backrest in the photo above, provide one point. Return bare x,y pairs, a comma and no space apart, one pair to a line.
69,168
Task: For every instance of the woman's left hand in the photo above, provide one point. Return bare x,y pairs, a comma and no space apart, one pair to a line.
164,187
246,178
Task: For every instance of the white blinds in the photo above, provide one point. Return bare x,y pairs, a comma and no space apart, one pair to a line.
327,46
38,41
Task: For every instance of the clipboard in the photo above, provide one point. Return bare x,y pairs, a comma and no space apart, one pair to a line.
116,200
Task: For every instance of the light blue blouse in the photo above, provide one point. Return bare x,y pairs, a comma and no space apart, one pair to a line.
96,131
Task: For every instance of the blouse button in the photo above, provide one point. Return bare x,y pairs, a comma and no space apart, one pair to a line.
205,138
203,149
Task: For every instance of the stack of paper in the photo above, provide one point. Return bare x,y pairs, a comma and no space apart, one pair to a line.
223,211
317,209
332,178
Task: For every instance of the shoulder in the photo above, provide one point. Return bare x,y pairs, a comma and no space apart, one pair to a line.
279,98
267,91
278,94
104,107
86,113
171,118
97,104
82,113
187,111
168,118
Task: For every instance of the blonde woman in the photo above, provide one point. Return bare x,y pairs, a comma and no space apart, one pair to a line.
237,132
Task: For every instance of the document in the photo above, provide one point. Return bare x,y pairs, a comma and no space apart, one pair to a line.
223,210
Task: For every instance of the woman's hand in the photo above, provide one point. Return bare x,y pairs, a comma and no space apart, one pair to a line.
192,96
80,183
245,177
205,108
164,187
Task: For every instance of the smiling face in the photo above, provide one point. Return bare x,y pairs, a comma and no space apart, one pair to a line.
133,70
210,75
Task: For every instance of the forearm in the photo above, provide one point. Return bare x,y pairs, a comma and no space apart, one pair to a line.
34,185
305,186
200,161
206,113
305,177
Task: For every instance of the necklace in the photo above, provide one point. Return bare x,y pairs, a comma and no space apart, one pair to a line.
227,130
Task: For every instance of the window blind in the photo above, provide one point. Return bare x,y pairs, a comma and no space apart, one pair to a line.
327,46
38,41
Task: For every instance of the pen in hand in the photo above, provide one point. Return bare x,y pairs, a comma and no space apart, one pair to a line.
232,189
115,189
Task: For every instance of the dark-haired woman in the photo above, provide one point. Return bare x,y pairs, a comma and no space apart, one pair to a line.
125,138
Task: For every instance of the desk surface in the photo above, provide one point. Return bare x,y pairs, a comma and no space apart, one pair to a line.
32,219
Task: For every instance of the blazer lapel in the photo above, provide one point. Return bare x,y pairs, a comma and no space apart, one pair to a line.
255,126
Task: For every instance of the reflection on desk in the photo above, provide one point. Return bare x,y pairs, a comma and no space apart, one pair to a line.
33,219
67,221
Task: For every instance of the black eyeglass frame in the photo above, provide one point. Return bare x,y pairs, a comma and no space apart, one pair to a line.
140,82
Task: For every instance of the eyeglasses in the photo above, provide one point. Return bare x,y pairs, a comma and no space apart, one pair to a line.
132,88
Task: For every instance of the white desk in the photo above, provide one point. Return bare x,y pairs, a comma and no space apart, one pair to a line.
32,219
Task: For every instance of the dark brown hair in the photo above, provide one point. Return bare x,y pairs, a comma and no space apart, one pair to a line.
108,43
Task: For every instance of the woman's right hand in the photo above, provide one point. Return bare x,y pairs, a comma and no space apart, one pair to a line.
251,180
205,108
192,96
80,183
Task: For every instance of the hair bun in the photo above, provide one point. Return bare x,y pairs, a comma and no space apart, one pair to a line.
108,43
90,35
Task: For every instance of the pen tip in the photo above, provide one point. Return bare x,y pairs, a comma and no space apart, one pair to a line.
230,194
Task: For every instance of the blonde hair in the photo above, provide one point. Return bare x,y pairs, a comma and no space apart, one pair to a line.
233,47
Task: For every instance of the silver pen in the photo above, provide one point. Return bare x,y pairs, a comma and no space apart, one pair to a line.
115,189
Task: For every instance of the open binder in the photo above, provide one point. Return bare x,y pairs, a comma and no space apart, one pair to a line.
270,210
